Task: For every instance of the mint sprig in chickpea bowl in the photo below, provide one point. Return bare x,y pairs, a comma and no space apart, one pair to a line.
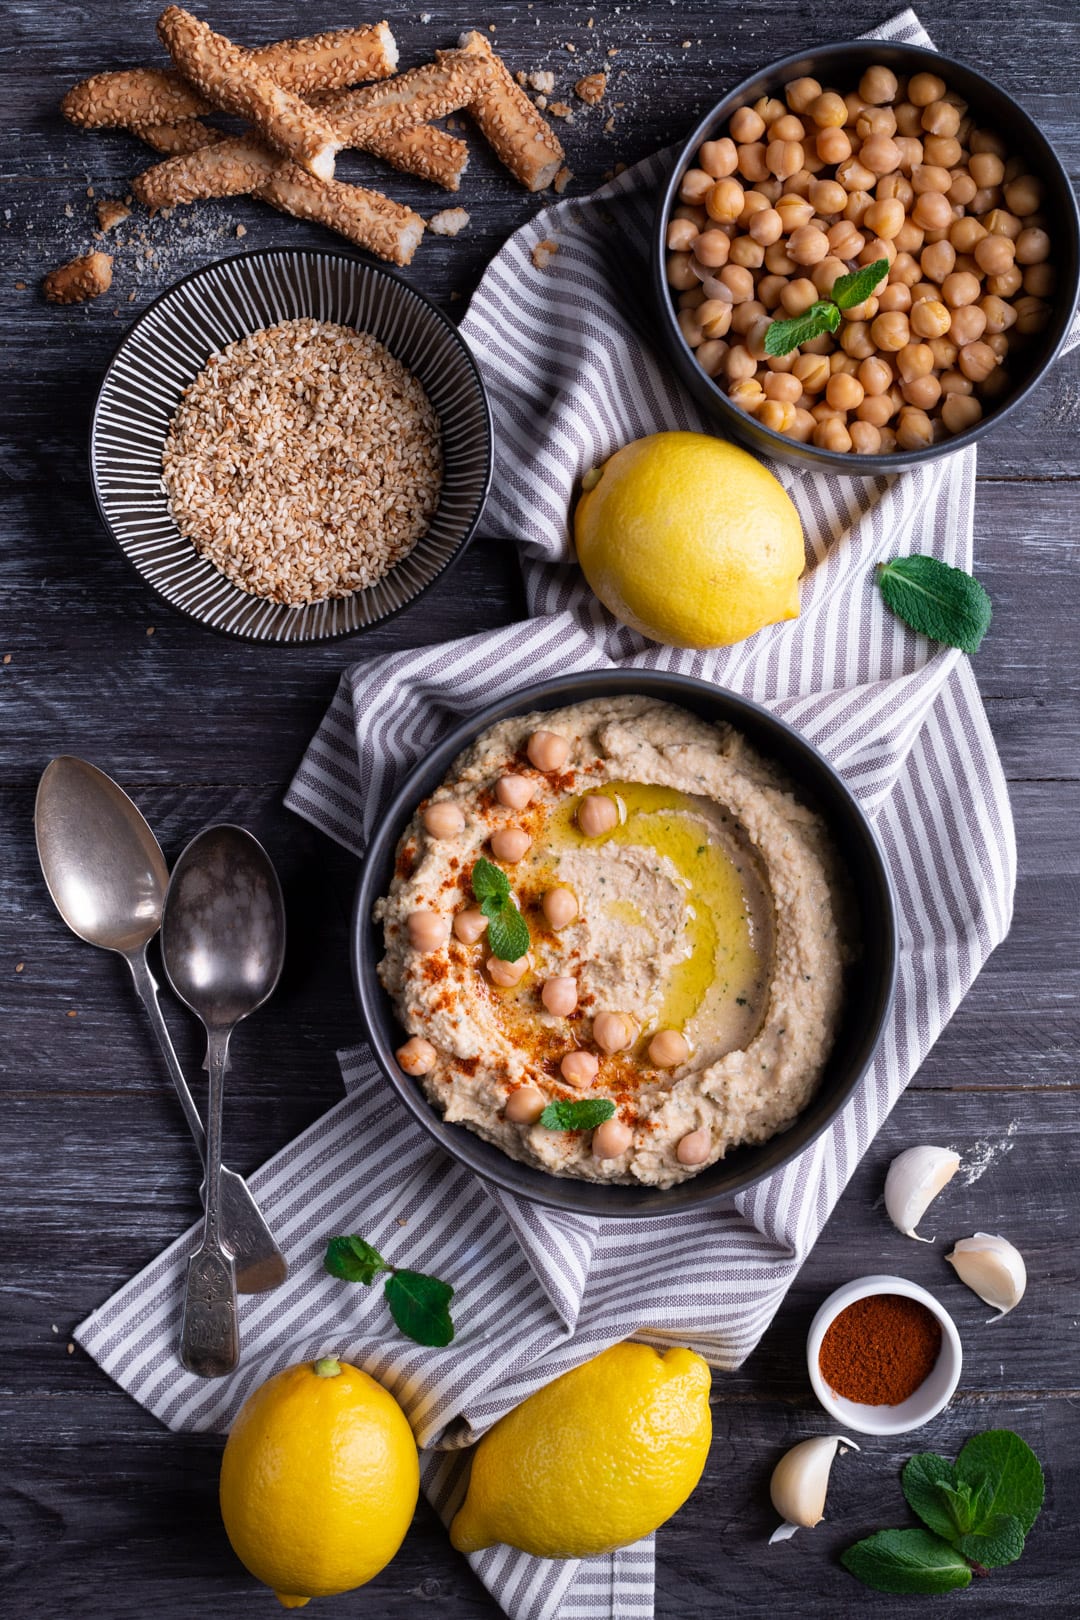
820,167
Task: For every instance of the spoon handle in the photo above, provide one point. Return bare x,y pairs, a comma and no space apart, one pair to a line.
210,1335
260,1264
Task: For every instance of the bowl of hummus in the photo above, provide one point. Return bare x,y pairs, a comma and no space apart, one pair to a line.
624,943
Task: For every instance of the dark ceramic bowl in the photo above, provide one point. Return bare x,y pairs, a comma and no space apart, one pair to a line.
169,345
841,67
870,988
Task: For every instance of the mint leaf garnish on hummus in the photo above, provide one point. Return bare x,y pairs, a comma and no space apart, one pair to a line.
577,1116
508,932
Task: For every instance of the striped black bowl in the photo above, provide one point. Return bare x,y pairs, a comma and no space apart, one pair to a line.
168,346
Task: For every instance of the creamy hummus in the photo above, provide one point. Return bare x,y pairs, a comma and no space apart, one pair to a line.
709,914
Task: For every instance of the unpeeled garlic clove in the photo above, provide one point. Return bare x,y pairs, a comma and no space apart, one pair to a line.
992,1268
799,1483
915,1178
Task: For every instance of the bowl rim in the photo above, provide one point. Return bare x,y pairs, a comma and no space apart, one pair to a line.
769,442
373,268
865,1288
562,1192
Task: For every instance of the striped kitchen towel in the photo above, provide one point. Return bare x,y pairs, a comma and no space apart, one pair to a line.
565,354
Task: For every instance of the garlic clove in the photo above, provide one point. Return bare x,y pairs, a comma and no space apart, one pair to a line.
799,1483
992,1268
915,1178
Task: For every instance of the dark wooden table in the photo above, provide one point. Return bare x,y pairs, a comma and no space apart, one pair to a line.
106,1514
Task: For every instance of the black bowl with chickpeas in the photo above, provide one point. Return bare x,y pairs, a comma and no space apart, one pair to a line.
861,154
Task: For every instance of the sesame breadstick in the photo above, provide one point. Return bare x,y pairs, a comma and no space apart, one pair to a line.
385,228
148,96
233,167
227,77
189,135
79,279
431,91
426,151
509,122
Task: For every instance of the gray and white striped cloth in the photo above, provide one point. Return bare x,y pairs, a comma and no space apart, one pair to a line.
564,352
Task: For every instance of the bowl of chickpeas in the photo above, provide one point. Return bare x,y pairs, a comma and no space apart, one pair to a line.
830,162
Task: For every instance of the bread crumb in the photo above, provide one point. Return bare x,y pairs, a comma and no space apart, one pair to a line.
591,88
19,966
448,222
543,253
562,180
79,279
150,629
559,109
571,48
544,81
7,658
540,102
20,286
241,230
72,1013
90,191
110,211
614,51
610,125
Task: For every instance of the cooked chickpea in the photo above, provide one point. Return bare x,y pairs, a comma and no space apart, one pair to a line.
885,218
739,364
914,360
962,190
968,324
1000,345
695,1146
748,253
613,1031
469,925
887,441
923,392
812,372
909,238
1024,195
954,382
999,315
710,356
986,168
999,222
770,290
857,204
611,1139
891,331
1040,280
877,409
771,108
908,118
944,150
894,297
547,750
712,249
718,158
443,819
739,282
1032,247
880,154
427,931
977,360
932,211
875,375
693,186
855,176
911,155
668,1048
560,995
941,118
845,240
878,85
524,1105
724,201
833,146
960,412
856,340
794,211
985,199
417,1056
966,234
782,385
766,227
681,235
803,427
960,288
679,271
930,177
937,261
744,315
827,196
560,907
865,438
1007,283
801,93
807,245
1032,315
823,275
994,255
844,392
748,394
829,111
929,318
580,1069
832,434
752,165
690,327
746,126
904,269
776,414
509,844
597,814
715,317
914,429
924,88
787,128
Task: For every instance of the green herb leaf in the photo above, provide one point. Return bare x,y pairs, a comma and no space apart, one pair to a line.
957,1500
577,1116
353,1260
999,1541
1012,1469
420,1307
856,287
921,1479
907,1561
783,336
490,883
938,601
508,933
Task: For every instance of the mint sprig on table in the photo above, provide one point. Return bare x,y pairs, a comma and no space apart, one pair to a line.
937,600
420,1305
977,1512
848,292
508,932
577,1116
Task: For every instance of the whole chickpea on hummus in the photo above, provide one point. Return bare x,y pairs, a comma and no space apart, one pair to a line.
687,932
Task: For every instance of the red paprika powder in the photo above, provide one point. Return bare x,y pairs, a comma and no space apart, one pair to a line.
880,1349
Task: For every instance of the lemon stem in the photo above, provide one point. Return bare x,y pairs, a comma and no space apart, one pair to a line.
327,1367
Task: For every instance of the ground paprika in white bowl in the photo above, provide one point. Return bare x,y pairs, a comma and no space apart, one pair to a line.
883,1355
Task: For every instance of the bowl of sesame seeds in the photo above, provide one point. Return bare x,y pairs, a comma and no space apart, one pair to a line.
291,445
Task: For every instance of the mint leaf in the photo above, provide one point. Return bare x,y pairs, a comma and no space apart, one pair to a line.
1000,1541
856,287
1012,1469
921,1479
490,883
938,601
577,1116
420,1307
957,1500
907,1561
783,336
508,932
353,1260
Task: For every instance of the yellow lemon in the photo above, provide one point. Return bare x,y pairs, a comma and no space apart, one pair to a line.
689,540
319,1480
593,1461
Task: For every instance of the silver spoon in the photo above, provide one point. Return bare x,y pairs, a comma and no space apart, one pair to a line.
107,877
223,945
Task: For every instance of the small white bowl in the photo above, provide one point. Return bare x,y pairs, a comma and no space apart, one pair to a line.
933,1393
